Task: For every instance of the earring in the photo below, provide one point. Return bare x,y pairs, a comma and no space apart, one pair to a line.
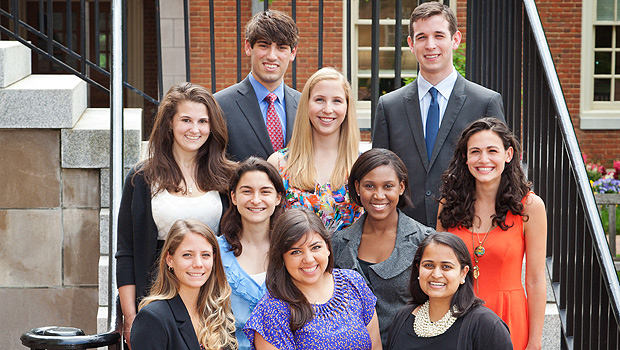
170,268
463,282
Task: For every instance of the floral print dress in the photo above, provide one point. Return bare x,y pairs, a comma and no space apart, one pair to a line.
331,205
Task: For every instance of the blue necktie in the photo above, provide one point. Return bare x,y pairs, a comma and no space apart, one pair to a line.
432,123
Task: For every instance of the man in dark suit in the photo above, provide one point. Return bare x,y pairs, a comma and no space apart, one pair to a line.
260,110
422,121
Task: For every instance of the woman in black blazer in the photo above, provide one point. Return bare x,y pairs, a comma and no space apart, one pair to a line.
189,305
184,176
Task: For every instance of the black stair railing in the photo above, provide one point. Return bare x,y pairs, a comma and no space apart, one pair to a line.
69,50
582,272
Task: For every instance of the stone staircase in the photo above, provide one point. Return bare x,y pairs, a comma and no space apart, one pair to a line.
54,199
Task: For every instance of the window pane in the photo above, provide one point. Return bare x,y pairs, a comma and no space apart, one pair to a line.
605,10
386,35
386,9
617,90
602,88
603,36
385,85
602,63
617,71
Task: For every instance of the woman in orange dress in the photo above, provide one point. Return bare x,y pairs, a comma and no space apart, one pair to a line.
487,202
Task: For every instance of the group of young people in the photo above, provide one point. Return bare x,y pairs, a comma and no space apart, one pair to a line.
255,223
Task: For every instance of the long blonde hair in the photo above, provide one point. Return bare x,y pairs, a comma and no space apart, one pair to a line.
217,324
300,163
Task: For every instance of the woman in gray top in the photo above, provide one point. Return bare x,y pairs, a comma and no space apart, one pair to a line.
380,244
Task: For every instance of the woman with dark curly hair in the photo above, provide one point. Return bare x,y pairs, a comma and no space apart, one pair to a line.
185,176
487,201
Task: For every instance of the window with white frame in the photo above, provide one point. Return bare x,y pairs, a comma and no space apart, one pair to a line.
361,14
600,94
361,51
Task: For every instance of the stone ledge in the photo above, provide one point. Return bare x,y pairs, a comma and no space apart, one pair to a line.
103,280
43,102
15,62
87,144
104,231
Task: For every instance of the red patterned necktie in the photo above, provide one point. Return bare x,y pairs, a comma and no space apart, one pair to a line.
274,128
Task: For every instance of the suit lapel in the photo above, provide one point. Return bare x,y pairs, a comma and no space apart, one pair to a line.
248,104
455,104
184,323
414,117
291,110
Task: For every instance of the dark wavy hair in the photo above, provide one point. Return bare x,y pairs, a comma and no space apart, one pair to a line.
373,159
464,298
293,226
213,169
458,184
231,226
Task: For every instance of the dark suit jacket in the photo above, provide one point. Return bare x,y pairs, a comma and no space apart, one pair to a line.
137,235
398,127
164,324
247,132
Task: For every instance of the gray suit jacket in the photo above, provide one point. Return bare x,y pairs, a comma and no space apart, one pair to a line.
247,132
389,279
398,127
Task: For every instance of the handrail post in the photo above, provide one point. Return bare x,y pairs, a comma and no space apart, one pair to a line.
116,146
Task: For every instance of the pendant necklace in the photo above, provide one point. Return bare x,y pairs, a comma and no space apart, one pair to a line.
479,253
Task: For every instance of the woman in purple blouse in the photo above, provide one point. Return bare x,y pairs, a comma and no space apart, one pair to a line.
309,304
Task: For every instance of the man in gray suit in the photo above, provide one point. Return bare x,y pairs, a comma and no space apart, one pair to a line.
421,122
271,43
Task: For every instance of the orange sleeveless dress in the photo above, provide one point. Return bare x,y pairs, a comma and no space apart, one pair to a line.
499,281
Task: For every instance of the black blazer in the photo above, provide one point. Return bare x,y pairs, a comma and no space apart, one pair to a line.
137,235
398,127
164,324
481,329
247,132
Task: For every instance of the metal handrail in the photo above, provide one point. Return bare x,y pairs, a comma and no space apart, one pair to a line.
54,44
576,159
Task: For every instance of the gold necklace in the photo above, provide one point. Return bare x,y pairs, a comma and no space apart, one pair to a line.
478,253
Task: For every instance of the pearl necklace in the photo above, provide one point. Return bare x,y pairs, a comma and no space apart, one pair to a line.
424,328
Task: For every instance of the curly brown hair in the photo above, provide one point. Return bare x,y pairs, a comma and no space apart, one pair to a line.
458,184
213,169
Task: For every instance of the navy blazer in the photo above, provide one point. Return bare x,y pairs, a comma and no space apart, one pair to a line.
164,324
247,132
398,127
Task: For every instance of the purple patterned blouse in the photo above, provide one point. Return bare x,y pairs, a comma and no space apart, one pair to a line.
338,324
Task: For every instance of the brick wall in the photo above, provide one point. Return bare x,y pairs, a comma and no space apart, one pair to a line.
562,23
226,39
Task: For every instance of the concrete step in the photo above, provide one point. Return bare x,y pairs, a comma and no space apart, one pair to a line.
43,102
87,144
14,62
552,328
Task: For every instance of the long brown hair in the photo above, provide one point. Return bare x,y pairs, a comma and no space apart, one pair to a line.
231,220
290,228
300,163
213,169
459,186
217,324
